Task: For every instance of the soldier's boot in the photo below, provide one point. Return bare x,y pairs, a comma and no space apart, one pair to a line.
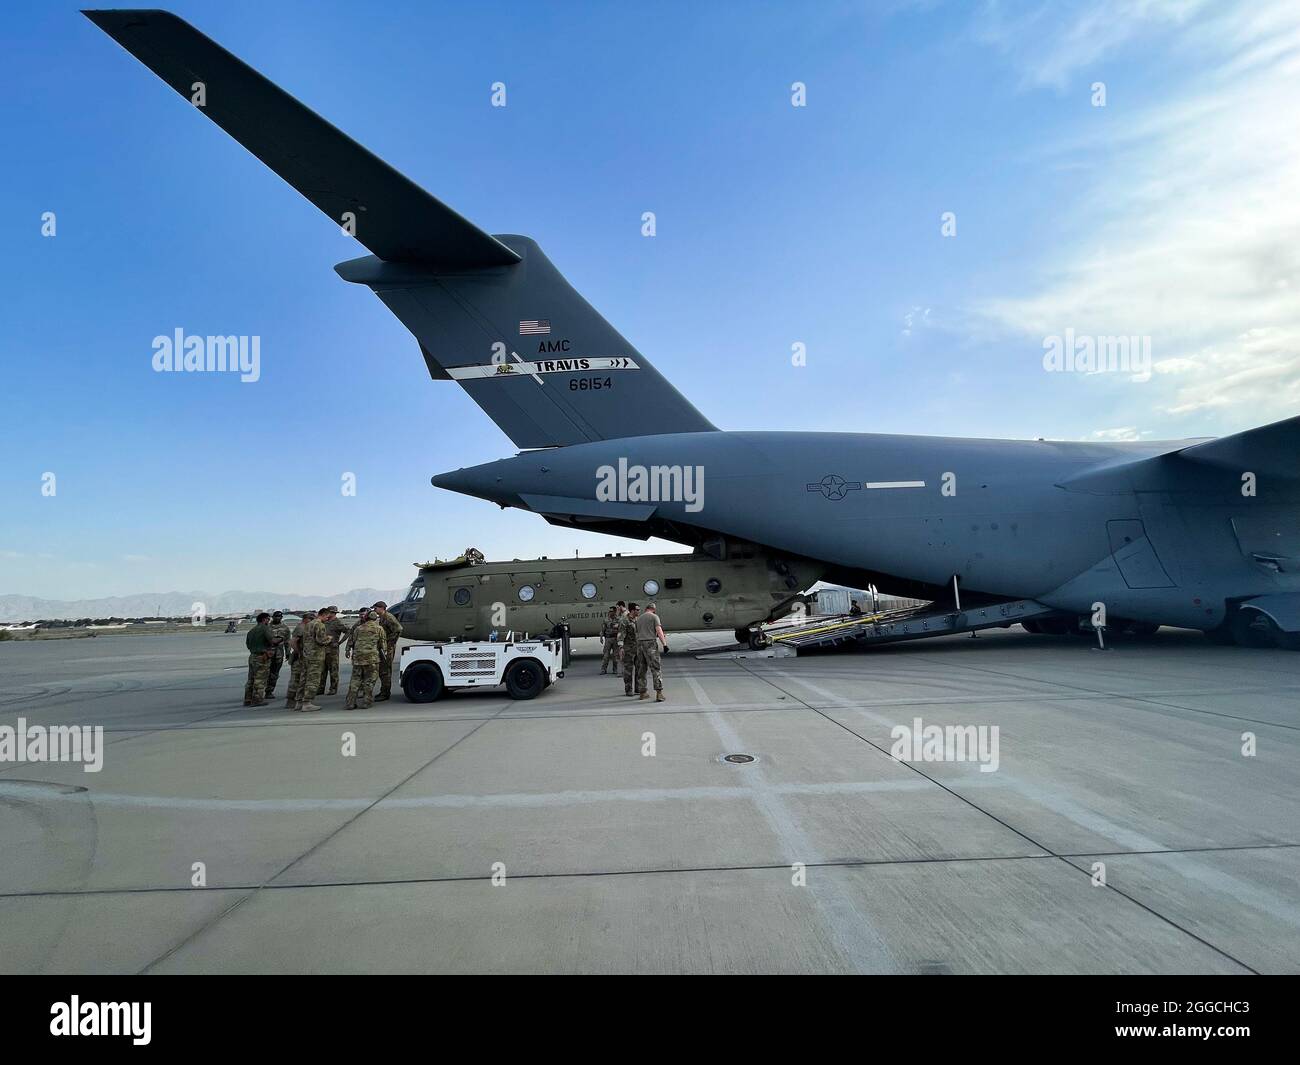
644,695
349,703
306,707
659,697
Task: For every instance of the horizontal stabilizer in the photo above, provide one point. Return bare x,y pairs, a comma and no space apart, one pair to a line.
395,218
1273,450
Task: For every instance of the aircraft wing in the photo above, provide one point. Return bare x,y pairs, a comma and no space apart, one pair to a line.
395,218
1271,449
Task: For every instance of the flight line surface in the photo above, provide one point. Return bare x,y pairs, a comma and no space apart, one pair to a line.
1123,830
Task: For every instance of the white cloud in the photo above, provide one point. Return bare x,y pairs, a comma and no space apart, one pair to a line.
1194,223
1053,41
1110,436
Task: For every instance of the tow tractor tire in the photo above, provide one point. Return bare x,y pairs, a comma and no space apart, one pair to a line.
1221,636
422,682
758,639
1251,628
525,679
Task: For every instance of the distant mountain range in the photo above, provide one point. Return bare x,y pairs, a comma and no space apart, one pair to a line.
180,604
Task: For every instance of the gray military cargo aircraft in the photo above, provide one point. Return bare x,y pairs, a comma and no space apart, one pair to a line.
1197,533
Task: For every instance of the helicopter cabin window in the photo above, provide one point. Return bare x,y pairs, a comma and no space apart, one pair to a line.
416,591
589,591
461,596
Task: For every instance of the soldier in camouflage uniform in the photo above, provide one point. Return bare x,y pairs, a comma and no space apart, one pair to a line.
314,641
280,639
649,634
297,660
627,637
621,608
366,644
258,642
337,631
609,636
392,630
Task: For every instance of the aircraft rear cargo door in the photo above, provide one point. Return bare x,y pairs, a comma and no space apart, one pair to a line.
1136,558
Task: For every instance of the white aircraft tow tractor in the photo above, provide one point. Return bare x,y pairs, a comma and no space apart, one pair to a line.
527,667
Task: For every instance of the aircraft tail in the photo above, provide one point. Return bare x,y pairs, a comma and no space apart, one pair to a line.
529,350
491,313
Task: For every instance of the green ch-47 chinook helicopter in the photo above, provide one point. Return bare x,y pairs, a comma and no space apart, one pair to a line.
731,587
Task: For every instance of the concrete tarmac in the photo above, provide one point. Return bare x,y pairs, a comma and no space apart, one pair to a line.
1123,829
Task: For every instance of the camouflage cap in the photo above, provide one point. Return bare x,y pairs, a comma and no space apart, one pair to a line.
331,610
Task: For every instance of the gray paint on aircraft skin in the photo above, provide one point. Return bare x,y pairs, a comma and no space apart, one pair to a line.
1015,528
1158,532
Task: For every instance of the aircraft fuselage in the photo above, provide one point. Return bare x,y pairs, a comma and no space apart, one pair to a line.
1043,520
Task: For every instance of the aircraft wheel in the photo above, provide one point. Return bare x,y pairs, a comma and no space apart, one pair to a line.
742,635
1251,628
757,639
525,679
422,683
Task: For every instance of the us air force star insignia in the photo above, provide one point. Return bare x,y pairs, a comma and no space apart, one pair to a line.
833,486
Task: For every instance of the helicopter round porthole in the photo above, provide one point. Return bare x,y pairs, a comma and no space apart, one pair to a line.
589,591
651,587
713,585
462,596
526,593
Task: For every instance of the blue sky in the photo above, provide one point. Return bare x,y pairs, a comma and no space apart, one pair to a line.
1169,213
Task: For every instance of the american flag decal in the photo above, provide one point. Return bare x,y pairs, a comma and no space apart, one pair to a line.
534,328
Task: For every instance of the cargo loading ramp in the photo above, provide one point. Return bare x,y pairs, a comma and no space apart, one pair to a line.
893,626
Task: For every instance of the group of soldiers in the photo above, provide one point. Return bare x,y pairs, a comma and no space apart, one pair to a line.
632,638
312,650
